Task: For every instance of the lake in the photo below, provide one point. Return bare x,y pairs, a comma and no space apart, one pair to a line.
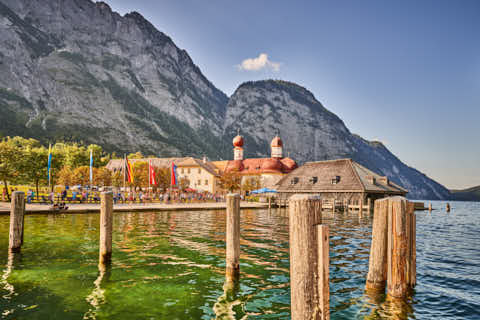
170,265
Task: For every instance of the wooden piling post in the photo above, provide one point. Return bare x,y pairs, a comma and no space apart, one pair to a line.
397,248
323,270
17,214
233,237
448,207
360,207
333,206
304,261
430,206
269,202
377,276
411,245
106,227
369,205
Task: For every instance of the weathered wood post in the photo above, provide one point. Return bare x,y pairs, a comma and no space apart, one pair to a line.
448,207
17,214
411,245
369,205
323,237
360,206
377,276
393,249
397,249
334,202
307,270
106,227
233,237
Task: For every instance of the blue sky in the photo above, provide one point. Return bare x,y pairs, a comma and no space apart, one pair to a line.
406,73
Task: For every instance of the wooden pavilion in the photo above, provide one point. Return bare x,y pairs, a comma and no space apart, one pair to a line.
342,180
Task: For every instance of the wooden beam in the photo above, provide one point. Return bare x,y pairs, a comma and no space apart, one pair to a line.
233,237
304,262
323,270
376,278
17,214
106,227
397,248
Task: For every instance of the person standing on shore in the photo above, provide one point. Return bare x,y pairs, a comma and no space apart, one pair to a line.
29,196
51,197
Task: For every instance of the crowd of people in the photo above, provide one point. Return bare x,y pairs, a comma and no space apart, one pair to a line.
132,196
166,197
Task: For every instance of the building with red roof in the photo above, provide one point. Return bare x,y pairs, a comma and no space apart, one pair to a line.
269,170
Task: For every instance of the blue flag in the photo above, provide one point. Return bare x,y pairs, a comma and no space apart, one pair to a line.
91,167
49,161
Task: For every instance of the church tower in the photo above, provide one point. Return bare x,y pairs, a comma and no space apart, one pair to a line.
238,148
276,146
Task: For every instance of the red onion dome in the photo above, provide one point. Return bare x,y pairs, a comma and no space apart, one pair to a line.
238,141
271,164
289,164
276,142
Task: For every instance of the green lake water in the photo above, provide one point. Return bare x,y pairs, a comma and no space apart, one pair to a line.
170,265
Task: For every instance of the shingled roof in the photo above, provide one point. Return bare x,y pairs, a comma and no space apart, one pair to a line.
342,175
193,162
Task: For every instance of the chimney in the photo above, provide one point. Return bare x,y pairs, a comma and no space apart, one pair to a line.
384,180
371,179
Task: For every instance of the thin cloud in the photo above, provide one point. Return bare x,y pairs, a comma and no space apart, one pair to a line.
259,63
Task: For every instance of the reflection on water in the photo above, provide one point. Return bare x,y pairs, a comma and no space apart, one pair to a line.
97,297
170,265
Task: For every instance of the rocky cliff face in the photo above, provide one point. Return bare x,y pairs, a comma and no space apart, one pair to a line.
76,70
310,132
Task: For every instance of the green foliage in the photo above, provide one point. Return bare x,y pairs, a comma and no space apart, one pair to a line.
25,161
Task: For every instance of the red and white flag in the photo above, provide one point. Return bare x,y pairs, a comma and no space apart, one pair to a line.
151,174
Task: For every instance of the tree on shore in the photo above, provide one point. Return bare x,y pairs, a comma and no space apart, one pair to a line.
230,180
65,176
251,183
117,179
163,177
81,175
9,158
102,177
34,166
183,183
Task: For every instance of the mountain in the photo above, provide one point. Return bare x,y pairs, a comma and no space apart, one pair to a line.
311,132
75,70
470,194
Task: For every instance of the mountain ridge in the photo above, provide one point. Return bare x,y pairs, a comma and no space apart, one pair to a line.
468,194
76,70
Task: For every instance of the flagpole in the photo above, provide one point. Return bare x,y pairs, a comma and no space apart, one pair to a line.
124,171
91,168
49,163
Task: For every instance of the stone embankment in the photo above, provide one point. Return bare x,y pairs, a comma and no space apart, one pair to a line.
95,208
